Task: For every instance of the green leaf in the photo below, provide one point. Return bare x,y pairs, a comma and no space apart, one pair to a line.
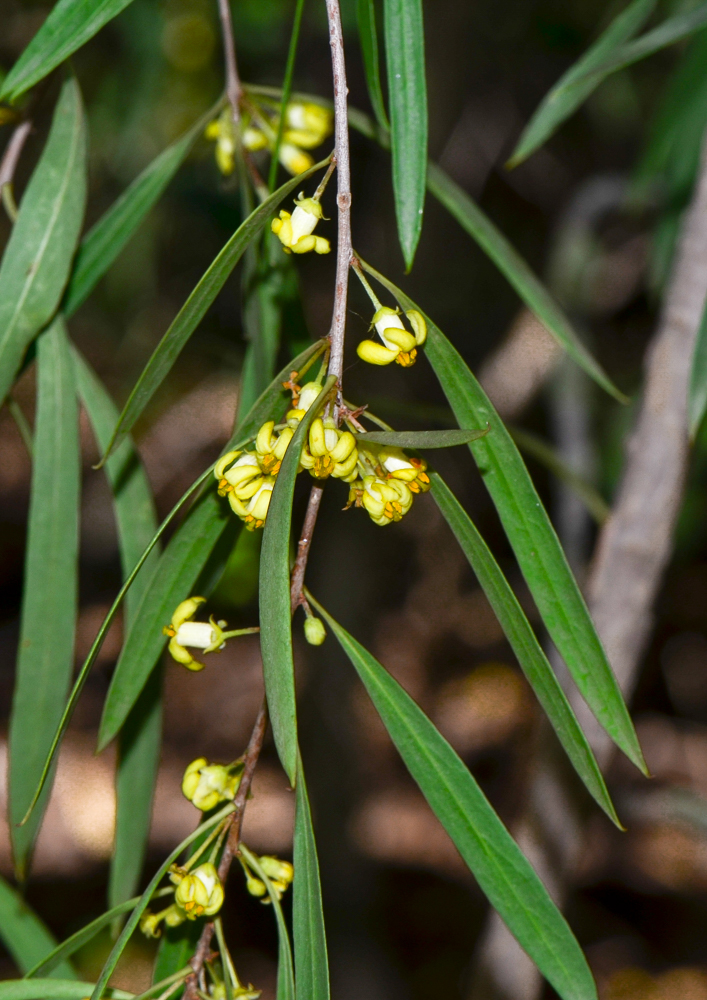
24,934
62,951
407,96
177,945
564,99
46,649
134,919
285,971
547,456
503,873
138,761
532,538
672,30
37,258
525,645
368,36
69,26
307,912
697,398
275,614
171,582
104,241
193,310
518,273
52,989
422,439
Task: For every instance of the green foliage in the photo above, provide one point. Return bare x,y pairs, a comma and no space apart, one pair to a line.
422,439
307,911
368,36
25,936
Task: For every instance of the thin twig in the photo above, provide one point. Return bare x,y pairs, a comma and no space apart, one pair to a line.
10,159
343,197
233,82
310,518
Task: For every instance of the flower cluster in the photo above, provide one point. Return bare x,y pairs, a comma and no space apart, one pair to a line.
306,126
198,894
206,785
387,480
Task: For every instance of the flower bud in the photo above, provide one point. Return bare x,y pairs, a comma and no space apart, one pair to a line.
200,893
314,631
275,868
205,785
255,886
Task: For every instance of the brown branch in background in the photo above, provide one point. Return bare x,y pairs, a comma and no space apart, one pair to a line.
310,519
631,554
233,82
343,196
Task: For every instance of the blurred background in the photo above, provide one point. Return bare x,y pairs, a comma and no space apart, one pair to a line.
595,213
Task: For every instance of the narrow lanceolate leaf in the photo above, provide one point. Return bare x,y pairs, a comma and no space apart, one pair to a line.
697,399
171,582
507,259
275,614
422,439
503,873
138,754
407,97
567,95
525,645
46,649
24,934
69,26
55,957
368,36
285,970
134,919
37,258
102,244
533,539
176,947
311,963
194,309
136,777
53,989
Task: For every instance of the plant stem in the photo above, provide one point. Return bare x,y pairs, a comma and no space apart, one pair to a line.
286,91
310,519
10,158
343,197
233,82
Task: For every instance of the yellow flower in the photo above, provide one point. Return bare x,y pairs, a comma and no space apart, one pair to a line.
241,474
296,161
307,125
398,465
329,451
295,231
302,400
205,785
398,344
222,130
270,448
254,512
184,633
385,500
150,922
200,893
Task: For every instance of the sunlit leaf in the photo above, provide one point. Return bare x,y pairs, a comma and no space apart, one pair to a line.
407,98
194,309
69,26
525,645
564,99
37,258
504,874
275,615
536,546
46,648
422,439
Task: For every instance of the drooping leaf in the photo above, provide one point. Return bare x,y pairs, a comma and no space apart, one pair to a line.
564,99
697,399
525,645
104,241
368,36
194,309
547,456
69,26
134,918
46,648
136,777
422,439
171,582
407,98
532,538
275,615
285,970
503,873
37,258
312,980
24,934
53,989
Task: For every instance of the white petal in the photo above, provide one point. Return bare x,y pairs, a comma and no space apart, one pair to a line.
198,635
303,223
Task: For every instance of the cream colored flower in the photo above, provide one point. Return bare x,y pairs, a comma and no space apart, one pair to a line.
397,343
200,893
184,632
295,231
205,785
329,451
